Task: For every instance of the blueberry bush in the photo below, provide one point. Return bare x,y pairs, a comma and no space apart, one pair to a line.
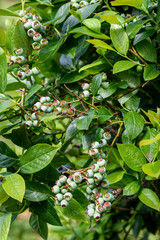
80,117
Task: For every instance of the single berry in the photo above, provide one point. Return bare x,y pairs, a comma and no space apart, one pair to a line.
63,179
95,191
58,183
99,208
95,167
36,24
37,37
63,103
98,177
94,152
88,190
90,180
18,51
95,145
28,15
97,216
21,13
85,94
36,45
35,123
44,42
100,201
107,206
104,77
107,136
28,24
73,185
103,142
36,17
21,75
102,170
20,59
90,212
108,197
101,162
44,108
28,72
59,196
31,32
85,86
68,196
64,203
63,190
75,6
90,173
58,111
35,71
77,177
56,189
29,123
105,85
42,100
37,106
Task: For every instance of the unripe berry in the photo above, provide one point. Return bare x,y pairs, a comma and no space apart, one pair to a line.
75,6
36,24
35,123
101,162
105,85
20,13
37,37
95,145
98,177
107,206
28,15
28,72
28,24
83,3
97,216
94,152
36,17
93,1
99,208
56,103
58,183
21,75
34,116
91,186
44,42
68,196
90,173
29,123
90,180
95,191
44,108
90,212
36,45
92,205
37,106
105,183
103,142
63,190
139,69
56,189
85,94
85,86
58,110
48,99
108,197
64,203
74,1
102,170
77,177
42,100
31,32
13,59
104,77
95,167
63,103
100,201
63,179
107,136
18,51
20,59
59,197
73,185
49,109
103,155
35,71
88,190
57,202
98,195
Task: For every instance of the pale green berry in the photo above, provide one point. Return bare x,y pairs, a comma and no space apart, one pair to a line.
99,208
88,190
103,142
102,170
63,179
101,162
93,152
36,45
85,86
58,110
21,13
31,32
63,103
107,206
93,1
77,177
49,109
37,106
34,116
28,15
36,17
18,51
35,71
21,59
59,196
56,189
100,201
85,94
107,136
108,197
42,99
90,180
105,85
21,75
103,155
73,185
58,183
68,196
90,173
92,205
28,24
104,77
105,183
95,167
28,72
29,123
44,108
95,190
48,99
63,190
97,216
64,203
90,212
75,6
35,123
44,42
98,177
37,37
36,24
95,145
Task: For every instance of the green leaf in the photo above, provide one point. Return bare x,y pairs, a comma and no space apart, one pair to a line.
86,31
35,88
143,35
74,77
80,198
131,188
3,195
6,104
132,3
133,103
21,39
83,124
99,64
119,38
103,115
150,141
123,65
36,192
115,158
150,72
115,176
14,186
39,226
37,158
132,156
152,169
96,82
134,124
9,40
62,13
146,50
158,12
5,221
85,12
149,198
93,23
72,129
46,212
3,70
105,93
75,211
2,36
7,157
7,12
149,150
101,44
110,17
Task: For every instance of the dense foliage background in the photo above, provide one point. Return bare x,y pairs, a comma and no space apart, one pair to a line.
79,98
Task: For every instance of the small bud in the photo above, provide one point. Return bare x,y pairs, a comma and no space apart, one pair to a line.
63,190
75,6
34,116
94,152
83,4
92,205
56,103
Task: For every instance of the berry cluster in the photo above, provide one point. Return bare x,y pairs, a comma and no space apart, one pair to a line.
87,89
76,4
47,105
92,181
